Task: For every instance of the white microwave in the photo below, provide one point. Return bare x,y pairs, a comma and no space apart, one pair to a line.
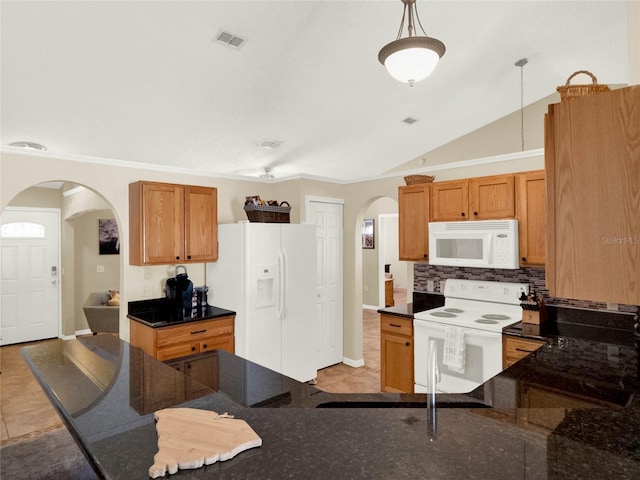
474,243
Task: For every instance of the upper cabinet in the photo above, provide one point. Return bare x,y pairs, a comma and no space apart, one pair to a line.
592,161
171,224
413,219
520,195
532,217
479,198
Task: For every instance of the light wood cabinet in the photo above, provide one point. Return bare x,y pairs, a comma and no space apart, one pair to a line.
171,224
532,217
481,198
593,166
396,354
516,348
450,201
166,343
413,221
388,293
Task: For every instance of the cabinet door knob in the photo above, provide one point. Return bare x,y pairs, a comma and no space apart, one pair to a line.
408,344
193,349
204,346
475,214
177,258
524,259
462,214
188,257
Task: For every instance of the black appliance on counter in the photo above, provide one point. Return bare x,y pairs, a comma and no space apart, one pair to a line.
179,290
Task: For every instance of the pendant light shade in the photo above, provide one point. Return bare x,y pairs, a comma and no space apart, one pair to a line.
412,58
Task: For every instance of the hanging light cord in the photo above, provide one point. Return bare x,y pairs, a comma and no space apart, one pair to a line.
521,63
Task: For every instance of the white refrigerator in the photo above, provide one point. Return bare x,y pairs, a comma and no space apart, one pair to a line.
266,273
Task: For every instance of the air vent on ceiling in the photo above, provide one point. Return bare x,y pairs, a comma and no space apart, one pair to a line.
270,144
230,39
409,121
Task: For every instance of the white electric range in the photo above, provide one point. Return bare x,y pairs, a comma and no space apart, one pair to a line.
477,311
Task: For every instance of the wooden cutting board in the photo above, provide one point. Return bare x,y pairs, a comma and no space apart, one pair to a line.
190,438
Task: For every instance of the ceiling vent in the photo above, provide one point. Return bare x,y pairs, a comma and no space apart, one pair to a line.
270,144
409,121
230,40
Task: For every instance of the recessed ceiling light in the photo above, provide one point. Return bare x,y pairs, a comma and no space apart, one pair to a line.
409,121
229,39
270,144
29,145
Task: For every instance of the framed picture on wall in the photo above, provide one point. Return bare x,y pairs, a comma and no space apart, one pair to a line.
108,236
368,236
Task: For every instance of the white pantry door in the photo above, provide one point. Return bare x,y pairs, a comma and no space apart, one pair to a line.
29,275
327,215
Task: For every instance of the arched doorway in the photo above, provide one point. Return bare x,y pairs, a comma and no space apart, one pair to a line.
81,267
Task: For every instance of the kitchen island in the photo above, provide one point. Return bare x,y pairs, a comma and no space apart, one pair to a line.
569,411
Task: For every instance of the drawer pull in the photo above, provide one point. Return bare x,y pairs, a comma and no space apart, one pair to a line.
395,325
524,350
198,331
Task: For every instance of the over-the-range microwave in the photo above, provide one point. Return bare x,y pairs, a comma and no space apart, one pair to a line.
474,243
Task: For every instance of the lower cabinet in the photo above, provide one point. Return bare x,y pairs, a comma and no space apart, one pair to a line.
166,343
396,354
516,348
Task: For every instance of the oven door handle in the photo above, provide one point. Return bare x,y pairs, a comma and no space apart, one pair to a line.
434,374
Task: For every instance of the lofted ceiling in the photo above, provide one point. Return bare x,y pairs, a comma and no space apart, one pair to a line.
146,82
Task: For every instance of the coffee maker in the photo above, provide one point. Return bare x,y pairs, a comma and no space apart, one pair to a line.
179,290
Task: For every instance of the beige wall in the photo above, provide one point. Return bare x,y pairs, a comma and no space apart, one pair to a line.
21,171
370,257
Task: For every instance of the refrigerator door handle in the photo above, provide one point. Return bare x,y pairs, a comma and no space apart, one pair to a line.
285,284
280,308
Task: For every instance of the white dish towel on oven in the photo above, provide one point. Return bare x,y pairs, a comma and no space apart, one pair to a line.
453,356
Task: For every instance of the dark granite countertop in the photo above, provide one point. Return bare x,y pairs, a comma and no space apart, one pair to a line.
568,411
160,312
421,301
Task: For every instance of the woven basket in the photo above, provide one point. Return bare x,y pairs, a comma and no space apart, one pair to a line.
568,91
418,179
267,214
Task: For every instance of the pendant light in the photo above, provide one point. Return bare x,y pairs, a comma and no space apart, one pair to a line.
412,58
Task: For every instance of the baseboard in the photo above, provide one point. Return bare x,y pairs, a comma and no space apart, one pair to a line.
370,307
353,363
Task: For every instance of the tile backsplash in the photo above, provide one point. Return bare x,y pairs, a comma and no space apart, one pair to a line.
423,273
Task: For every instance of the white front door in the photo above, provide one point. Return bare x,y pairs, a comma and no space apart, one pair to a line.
29,275
327,215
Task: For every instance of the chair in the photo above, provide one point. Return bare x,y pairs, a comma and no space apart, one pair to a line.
100,316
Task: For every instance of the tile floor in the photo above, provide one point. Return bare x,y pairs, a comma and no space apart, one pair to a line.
26,411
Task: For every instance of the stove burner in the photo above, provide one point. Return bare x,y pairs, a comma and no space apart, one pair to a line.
495,316
486,321
453,310
443,314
